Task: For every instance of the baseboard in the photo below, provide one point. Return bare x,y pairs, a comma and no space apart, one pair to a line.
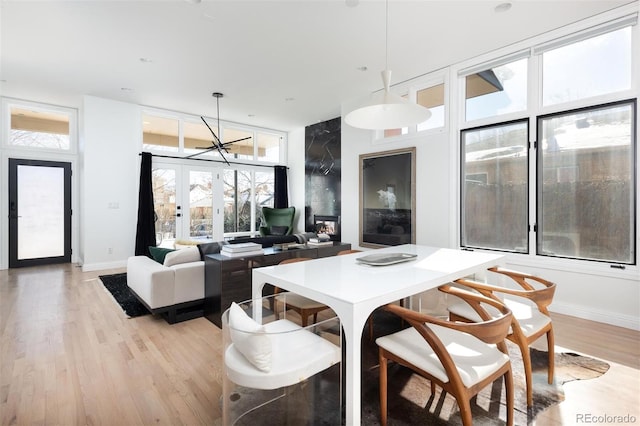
606,317
104,265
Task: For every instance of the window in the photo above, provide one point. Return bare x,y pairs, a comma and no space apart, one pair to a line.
494,192
242,207
496,91
586,184
583,184
160,133
432,98
167,132
39,127
596,66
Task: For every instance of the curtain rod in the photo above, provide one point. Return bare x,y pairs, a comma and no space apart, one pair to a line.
212,160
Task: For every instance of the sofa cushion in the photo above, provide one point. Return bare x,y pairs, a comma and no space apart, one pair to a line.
186,255
159,253
249,338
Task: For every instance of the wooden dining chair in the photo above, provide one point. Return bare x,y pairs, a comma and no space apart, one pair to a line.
462,358
300,304
529,306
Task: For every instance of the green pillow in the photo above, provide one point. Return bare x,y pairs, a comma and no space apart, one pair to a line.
158,253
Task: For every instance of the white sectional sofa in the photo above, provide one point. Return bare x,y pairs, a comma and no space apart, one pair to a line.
174,288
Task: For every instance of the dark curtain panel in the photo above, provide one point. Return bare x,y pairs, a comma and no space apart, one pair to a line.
146,230
281,194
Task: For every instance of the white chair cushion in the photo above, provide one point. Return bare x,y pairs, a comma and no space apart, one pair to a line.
298,301
474,359
249,338
297,354
185,255
529,317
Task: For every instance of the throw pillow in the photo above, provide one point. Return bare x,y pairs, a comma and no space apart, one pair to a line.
209,248
159,253
186,255
279,230
249,338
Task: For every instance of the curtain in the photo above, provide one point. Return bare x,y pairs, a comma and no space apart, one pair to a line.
146,229
281,194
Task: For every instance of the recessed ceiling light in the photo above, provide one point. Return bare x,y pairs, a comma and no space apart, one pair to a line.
502,7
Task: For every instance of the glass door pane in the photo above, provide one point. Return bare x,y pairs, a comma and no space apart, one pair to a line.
200,205
164,203
41,221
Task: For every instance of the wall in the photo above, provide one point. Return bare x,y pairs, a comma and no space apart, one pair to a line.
110,175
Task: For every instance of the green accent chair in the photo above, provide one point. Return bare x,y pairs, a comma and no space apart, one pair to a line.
277,221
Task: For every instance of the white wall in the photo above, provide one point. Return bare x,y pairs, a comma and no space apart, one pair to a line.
110,178
296,175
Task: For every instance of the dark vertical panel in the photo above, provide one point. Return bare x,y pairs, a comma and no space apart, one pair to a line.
322,170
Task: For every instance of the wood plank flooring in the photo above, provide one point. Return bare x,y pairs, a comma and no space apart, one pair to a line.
68,355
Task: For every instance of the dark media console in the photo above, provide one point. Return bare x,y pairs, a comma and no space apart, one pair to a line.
228,279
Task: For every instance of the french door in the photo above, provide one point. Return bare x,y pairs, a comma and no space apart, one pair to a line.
185,203
39,212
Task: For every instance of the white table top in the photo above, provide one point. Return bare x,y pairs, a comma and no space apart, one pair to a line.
343,280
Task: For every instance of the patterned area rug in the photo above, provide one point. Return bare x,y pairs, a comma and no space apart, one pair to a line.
410,400
116,284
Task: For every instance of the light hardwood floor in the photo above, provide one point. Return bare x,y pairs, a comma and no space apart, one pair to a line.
68,355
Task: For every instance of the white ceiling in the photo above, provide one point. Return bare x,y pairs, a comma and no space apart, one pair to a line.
281,64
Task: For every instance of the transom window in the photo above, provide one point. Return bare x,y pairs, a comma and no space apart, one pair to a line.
41,127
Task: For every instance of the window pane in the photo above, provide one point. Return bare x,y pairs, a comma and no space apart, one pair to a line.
496,91
586,184
237,200
200,205
241,143
432,98
159,133
197,137
268,147
164,204
494,190
39,129
264,193
41,203
592,67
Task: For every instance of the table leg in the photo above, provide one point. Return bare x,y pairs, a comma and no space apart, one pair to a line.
353,326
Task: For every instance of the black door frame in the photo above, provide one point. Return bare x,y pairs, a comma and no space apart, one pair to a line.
14,213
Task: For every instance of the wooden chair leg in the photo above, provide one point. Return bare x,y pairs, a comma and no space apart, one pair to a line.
552,356
465,412
509,393
526,361
383,388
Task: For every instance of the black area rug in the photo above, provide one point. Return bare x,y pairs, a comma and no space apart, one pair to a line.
116,284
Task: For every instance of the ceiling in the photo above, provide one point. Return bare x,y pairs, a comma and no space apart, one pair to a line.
280,64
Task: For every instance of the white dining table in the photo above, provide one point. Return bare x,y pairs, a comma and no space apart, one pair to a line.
354,290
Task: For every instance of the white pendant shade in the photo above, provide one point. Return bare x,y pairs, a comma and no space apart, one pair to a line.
386,110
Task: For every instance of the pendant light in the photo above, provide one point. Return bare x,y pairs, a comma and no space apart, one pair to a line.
386,110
